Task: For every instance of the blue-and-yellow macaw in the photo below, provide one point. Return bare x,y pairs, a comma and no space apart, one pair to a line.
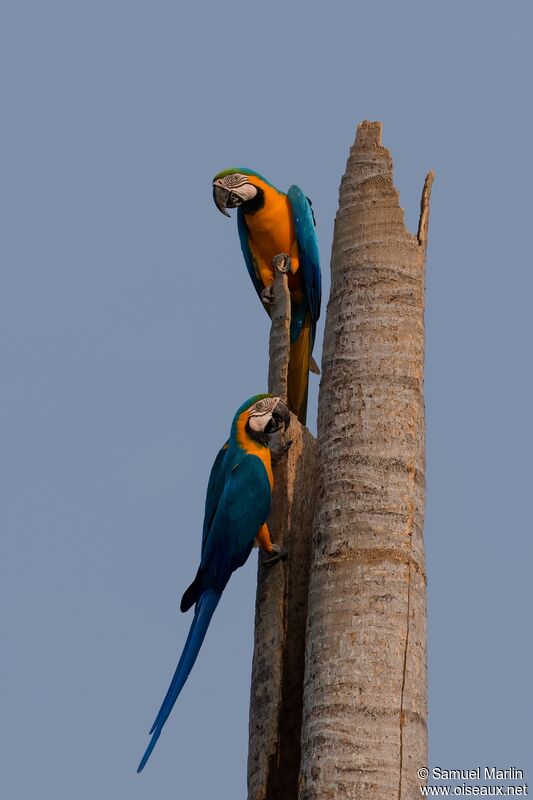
271,224
236,508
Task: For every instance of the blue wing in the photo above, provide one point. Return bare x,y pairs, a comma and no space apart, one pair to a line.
237,504
244,237
215,487
309,256
243,508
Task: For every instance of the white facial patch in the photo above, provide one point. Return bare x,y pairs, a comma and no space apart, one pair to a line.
260,413
238,183
259,422
246,191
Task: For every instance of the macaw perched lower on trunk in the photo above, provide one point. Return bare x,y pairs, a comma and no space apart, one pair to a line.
236,508
275,225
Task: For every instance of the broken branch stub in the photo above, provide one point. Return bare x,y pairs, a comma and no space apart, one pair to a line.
281,601
279,344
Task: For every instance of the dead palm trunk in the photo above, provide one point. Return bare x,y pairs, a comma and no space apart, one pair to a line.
364,712
281,604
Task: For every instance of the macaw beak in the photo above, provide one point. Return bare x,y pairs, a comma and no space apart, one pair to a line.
280,417
221,198
225,198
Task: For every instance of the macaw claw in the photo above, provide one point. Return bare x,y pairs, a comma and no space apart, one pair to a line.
267,295
279,554
279,446
282,262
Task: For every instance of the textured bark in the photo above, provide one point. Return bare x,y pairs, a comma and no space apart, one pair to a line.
281,604
365,697
279,345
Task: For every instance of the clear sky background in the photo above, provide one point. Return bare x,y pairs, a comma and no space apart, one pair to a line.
130,333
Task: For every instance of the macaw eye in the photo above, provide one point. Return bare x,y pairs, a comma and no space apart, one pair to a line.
234,180
266,404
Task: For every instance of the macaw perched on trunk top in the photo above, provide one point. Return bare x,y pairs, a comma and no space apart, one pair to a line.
272,226
237,505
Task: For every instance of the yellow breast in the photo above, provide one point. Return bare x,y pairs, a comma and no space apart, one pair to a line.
272,232
254,448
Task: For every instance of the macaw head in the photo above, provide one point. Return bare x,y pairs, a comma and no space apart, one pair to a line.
236,187
261,416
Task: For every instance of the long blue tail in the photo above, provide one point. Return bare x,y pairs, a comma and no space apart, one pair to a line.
202,617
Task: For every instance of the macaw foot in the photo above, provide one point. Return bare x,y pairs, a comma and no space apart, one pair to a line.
277,553
267,295
282,262
279,446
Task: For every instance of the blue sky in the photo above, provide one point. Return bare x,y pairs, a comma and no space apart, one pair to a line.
131,333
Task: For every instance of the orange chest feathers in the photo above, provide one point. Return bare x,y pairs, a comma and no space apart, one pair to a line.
254,448
271,231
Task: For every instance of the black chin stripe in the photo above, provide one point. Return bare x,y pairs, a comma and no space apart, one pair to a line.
255,204
270,426
262,438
